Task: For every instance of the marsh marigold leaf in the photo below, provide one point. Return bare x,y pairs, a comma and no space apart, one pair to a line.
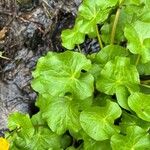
98,122
135,138
140,103
58,73
119,77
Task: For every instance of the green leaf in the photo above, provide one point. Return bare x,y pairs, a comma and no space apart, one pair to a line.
144,69
71,37
29,136
118,77
62,73
129,12
66,141
132,120
138,35
93,13
61,114
44,139
21,122
98,122
110,52
140,103
41,140
103,56
89,144
135,139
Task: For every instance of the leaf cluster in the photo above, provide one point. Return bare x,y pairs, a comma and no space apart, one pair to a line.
99,101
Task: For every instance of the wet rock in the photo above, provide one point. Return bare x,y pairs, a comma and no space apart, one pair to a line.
31,34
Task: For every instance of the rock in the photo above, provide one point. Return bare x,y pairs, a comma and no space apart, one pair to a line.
31,34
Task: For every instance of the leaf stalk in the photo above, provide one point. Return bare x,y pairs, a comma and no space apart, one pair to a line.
99,37
113,32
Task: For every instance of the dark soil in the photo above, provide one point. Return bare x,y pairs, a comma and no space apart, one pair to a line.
28,30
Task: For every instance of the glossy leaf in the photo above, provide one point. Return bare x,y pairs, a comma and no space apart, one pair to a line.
129,12
21,122
118,77
72,37
41,140
96,145
62,73
138,35
98,122
109,53
132,120
61,114
135,138
140,103
94,12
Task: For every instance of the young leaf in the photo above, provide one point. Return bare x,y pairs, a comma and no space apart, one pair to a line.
129,12
62,73
140,103
42,140
93,13
21,122
135,138
138,35
118,77
98,122
71,37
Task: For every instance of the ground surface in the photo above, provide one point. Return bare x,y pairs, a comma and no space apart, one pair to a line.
28,30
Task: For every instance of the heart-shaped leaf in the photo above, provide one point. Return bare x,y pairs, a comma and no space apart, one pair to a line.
119,77
98,122
134,138
140,103
62,73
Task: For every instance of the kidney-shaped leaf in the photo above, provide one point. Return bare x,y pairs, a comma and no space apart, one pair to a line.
138,36
110,52
118,77
42,139
58,73
61,114
140,103
71,37
135,139
94,12
21,122
98,122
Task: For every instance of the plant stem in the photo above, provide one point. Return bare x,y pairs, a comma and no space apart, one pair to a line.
137,60
79,48
115,26
145,81
147,86
99,37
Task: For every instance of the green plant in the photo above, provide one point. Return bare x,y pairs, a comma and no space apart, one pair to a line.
99,101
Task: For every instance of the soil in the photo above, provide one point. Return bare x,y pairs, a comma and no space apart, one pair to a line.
28,30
